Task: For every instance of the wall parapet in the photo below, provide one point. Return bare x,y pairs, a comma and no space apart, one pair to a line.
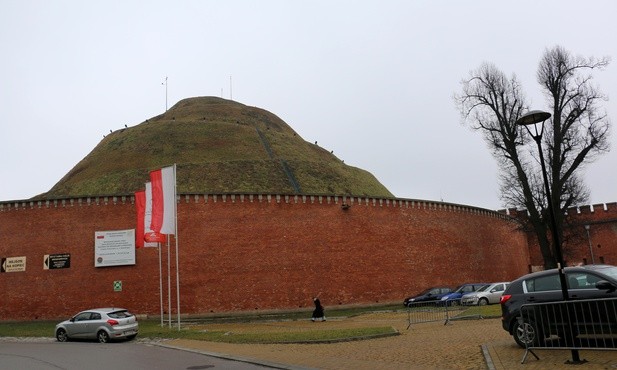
65,202
587,209
592,208
345,201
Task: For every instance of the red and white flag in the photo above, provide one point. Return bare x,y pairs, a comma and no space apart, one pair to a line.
151,237
144,236
163,200
140,205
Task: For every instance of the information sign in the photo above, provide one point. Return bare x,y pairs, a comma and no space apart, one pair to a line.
114,248
56,261
14,264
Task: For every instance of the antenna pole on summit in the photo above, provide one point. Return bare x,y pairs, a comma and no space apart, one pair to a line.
230,92
165,83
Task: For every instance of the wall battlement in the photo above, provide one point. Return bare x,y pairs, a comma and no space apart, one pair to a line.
576,210
345,202
591,208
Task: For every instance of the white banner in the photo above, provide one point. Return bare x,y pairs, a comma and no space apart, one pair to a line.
114,248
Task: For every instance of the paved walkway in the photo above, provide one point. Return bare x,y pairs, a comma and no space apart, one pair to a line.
465,344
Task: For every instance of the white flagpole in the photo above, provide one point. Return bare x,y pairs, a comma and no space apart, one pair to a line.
161,284
147,219
169,279
176,237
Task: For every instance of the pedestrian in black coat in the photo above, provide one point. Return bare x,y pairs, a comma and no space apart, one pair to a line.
318,312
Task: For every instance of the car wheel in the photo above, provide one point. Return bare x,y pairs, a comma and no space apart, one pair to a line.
483,302
526,333
454,302
61,335
102,336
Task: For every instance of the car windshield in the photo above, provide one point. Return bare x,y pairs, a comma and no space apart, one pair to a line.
608,270
484,288
429,291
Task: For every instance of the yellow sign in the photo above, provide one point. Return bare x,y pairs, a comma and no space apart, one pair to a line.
14,264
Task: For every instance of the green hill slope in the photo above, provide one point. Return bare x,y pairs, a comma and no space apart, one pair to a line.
219,146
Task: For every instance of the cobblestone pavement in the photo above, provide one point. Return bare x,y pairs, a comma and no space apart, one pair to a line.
463,344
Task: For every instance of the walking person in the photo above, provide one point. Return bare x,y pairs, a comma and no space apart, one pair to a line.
318,312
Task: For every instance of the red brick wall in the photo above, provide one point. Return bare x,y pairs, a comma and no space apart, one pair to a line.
250,252
602,222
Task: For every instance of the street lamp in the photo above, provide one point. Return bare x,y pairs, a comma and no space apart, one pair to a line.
590,248
535,117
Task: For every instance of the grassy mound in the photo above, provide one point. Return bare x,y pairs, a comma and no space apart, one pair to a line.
219,146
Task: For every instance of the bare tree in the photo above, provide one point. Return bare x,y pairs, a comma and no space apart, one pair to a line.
574,136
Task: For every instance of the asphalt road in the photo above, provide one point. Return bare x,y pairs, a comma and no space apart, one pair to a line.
50,355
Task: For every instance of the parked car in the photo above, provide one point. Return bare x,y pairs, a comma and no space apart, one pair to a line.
584,282
454,298
430,294
102,324
488,294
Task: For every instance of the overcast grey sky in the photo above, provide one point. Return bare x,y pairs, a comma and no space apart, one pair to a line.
371,80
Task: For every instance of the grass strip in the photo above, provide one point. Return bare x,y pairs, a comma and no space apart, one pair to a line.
193,329
154,330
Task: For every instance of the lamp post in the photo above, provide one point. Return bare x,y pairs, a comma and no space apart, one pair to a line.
590,247
533,118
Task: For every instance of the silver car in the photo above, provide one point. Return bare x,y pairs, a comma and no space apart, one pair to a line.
488,294
102,324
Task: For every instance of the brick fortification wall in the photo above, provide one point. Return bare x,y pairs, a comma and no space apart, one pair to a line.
581,245
256,252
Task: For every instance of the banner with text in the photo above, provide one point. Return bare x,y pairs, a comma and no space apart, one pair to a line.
114,248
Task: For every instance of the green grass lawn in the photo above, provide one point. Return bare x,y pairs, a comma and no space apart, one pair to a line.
193,328
152,328
28,329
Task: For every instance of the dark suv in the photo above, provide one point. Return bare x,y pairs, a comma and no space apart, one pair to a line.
584,282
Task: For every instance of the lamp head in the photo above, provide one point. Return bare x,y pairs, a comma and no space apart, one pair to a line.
533,117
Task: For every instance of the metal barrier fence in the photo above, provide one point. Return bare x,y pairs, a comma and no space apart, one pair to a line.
574,325
422,312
